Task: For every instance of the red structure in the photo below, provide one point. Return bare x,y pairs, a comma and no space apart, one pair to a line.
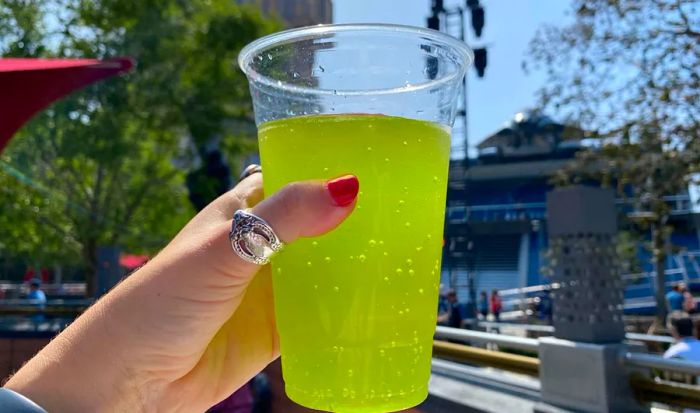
30,85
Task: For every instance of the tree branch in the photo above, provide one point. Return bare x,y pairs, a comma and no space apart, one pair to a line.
94,200
138,198
72,172
688,30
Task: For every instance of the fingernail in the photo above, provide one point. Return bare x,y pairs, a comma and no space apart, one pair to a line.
344,189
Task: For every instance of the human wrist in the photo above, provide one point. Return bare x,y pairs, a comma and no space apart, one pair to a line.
81,370
59,384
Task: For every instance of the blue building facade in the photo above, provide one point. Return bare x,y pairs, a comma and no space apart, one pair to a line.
496,218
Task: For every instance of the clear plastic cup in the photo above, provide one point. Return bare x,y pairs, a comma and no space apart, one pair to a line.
356,308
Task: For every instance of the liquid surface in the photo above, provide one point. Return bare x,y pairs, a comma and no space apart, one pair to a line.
356,308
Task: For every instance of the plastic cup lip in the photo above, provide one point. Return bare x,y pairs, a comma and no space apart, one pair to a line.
251,50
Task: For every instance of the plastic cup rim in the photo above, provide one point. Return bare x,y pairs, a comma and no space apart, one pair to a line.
250,51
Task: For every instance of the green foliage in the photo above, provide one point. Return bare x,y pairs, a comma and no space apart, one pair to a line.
627,71
627,248
106,166
619,63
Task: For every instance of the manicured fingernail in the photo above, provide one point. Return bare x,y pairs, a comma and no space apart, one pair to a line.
344,189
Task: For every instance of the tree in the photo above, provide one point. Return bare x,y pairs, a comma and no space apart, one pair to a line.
107,165
627,71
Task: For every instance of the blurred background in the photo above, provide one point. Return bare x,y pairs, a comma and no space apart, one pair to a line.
564,93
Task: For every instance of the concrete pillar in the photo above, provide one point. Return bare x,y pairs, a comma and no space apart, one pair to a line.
589,298
580,366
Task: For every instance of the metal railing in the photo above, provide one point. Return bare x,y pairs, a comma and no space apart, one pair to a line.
680,205
71,302
550,329
532,345
507,212
646,389
649,338
527,327
546,287
71,288
666,392
23,306
482,357
513,342
523,296
524,386
660,363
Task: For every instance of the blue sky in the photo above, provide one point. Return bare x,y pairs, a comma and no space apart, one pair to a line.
510,24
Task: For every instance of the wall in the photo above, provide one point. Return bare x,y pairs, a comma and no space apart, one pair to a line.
15,351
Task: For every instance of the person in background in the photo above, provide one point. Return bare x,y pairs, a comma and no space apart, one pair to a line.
496,305
44,275
38,298
443,306
687,347
453,317
29,274
456,316
484,305
35,292
674,299
689,303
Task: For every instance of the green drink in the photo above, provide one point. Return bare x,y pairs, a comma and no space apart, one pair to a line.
356,308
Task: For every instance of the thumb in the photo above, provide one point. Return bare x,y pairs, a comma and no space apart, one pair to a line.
309,208
299,209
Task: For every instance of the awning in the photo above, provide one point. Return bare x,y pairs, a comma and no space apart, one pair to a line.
131,261
29,85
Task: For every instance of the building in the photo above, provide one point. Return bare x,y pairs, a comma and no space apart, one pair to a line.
297,13
496,221
294,13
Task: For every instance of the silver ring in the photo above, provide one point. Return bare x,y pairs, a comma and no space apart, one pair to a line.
250,170
252,238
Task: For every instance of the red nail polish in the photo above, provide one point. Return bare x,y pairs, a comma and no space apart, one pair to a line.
344,189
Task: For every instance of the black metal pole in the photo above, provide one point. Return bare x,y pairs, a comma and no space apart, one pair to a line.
465,115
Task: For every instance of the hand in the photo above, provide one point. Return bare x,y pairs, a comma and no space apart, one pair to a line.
192,325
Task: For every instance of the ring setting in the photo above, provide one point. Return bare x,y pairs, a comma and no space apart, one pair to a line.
253,239
250,170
